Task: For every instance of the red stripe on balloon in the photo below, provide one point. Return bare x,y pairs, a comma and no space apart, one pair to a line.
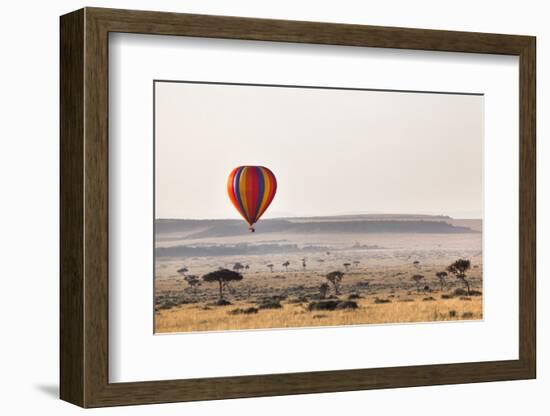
251,193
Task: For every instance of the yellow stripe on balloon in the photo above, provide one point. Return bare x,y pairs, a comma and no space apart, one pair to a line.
242,191
267,189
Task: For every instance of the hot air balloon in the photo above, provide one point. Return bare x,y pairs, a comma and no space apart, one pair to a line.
251,189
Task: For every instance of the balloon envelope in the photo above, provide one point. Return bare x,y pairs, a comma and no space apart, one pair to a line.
251,189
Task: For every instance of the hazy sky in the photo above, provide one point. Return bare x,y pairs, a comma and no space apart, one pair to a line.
332,151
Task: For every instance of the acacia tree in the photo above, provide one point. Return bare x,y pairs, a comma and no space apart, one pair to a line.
442,276
238,267
286,264
183,270
356,263
193,281
270,267
223,277
323,290
335,278
346,265
417,279
304,265
459,268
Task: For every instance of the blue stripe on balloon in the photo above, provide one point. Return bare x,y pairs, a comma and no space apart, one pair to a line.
261,190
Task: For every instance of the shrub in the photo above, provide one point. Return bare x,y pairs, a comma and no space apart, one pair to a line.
452,313
347,304
273,298
271,304
460,292
355,296
475,293
335,278
465,298
428,299
323,290
243,311
444,296
331,305
299,299
378,300
221,302
166,305
467,315
324,305
417,278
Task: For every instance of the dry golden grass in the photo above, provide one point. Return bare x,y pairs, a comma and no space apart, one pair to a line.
385,273
194,318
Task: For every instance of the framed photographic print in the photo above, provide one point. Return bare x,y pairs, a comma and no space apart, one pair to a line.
281,189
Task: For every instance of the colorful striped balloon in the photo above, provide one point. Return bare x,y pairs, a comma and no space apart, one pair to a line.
251,189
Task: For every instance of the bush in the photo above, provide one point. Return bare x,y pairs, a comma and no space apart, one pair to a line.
406,300
271,304
245,311
446,296
347,304
221,302
355,296
467,315
429,299
331,305
378,300
460,292
324,305
299,299
452,314
475,293
167,305
465,298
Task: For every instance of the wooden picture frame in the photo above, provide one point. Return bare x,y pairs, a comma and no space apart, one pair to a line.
84,207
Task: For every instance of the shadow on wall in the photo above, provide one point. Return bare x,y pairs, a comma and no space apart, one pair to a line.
48,389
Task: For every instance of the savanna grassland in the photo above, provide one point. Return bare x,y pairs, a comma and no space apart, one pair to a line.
381,269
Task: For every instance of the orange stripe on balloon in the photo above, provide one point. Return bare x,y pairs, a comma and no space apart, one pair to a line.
242,193
230,190
272,190
267,187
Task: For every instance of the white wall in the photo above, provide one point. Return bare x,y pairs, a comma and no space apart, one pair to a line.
29,208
